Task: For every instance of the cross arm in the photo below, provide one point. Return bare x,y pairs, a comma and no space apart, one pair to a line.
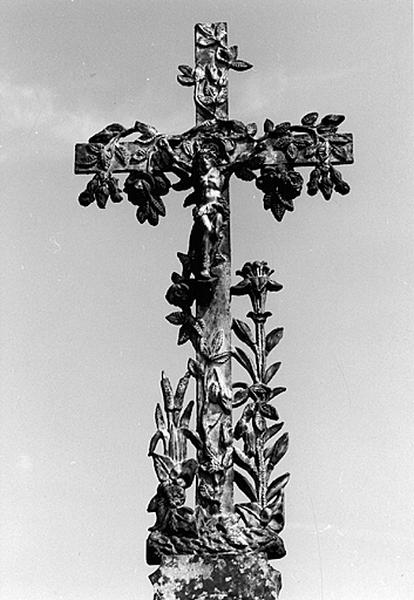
275,154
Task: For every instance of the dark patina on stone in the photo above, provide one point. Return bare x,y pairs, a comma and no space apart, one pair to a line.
206,577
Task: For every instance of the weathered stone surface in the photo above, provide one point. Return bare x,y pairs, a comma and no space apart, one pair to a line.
233,576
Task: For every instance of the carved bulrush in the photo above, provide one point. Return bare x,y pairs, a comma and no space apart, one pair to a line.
203,159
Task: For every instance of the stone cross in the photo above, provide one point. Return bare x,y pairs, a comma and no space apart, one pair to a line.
203,160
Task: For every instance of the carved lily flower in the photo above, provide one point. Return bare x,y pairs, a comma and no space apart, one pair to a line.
256,283
144,191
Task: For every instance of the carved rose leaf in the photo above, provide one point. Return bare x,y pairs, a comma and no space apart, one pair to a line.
185,70
310,119
332,120
176,318
240,65
186,81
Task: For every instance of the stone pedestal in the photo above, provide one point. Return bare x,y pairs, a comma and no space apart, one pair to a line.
216,577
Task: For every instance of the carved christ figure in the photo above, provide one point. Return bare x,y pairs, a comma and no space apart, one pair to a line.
210,209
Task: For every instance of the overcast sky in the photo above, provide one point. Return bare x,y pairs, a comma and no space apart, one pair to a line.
82,297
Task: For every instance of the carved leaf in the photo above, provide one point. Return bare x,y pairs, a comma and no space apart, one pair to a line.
310,119
167,392
269,412
332,120
241,288
276,391
277,452
240,397
272,431
159,419
154,441
220,359
163,466
240,65
185,70
243,332
220,32
106,135
245,361
217,341
122,155
250,514
206,41
195,368
276,486
251,129
194,438
222,96
186,416
245,486
206,29
268,126
244,173
181,390
259,422
292,151
188,470
244,462
271,372
273,338
340,152
183,335
184,80
176,318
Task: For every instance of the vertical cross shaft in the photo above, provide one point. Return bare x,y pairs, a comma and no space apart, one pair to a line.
210,95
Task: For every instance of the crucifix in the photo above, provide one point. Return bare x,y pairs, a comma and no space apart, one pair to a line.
217,538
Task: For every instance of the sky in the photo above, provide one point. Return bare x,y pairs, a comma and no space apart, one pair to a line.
82,293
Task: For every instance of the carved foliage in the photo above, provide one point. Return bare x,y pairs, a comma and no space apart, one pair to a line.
284,146
259,422
175,472
210,75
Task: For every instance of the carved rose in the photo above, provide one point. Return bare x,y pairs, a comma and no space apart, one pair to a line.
144,191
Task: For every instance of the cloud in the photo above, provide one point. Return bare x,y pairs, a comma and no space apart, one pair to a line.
34,110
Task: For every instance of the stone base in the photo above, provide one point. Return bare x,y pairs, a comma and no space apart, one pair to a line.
243,576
